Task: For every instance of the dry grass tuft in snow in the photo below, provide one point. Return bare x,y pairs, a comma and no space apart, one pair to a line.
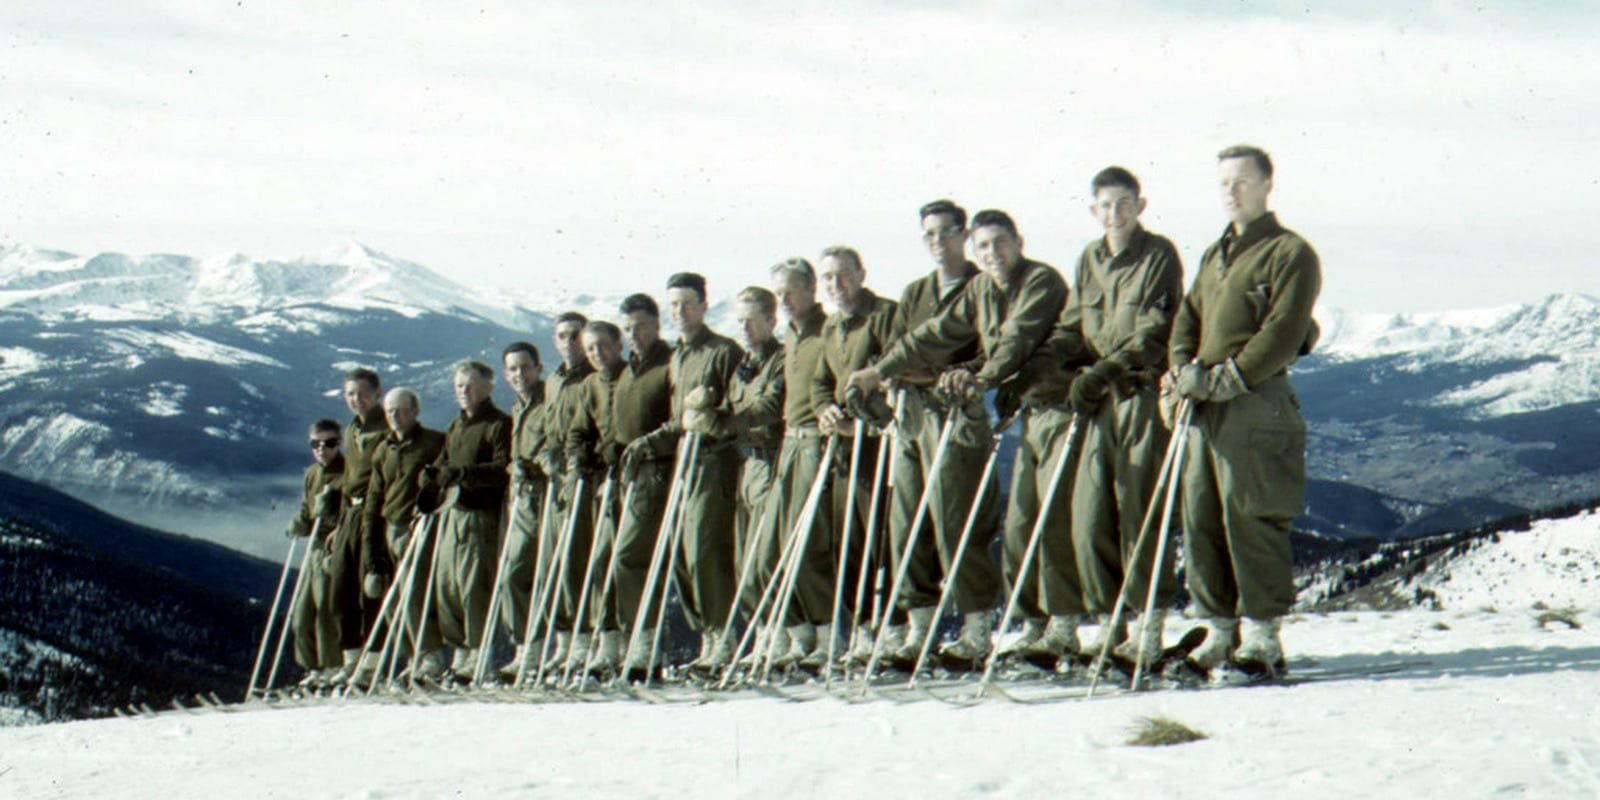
1161,732
1567,616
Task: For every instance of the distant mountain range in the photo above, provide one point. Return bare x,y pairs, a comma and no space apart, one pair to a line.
175,391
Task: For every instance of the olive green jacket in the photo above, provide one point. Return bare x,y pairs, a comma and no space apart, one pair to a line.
802,349
480,446
851,339
756,397
1123,306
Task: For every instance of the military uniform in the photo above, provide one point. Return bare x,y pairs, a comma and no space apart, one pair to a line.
756,399
361,440
920,417
1120,318
391,506
590,448
641,403
799,459
524,504
1011,321
1244,467
477,448
316,620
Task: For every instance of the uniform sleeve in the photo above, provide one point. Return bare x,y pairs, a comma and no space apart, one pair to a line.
765,407
583,428
823,381
1295,281
304,518
1159,296
374,545
937,340
1028,324
1185,341
377,487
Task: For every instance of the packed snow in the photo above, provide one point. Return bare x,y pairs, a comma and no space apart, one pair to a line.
1555,565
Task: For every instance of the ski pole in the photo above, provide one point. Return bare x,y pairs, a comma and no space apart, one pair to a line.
272,616
425,613
557,590
912,535
609,582
675,538
1161,542
844,547
674,496
800,537
490,621
383,621
588,578
421,536
1069,441
954,567
294,600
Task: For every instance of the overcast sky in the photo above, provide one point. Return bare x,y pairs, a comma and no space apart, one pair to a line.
1437,155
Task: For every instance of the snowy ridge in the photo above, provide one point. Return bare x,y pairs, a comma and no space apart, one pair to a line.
1554,564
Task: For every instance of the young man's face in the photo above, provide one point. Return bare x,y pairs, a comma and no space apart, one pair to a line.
1244,189
997,250
755,327
1118,209
360,397
687,310
841,279
402,415
795,296
640,331
944,239
324,446
569,342
521,372
602,351
471,389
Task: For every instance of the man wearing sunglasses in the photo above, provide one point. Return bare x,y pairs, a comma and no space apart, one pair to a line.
316,626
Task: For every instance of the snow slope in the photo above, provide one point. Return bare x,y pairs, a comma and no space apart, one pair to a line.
1556,564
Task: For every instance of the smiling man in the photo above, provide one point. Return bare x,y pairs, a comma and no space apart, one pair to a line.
1010,311
355,599
315,621
1245,320
1128,285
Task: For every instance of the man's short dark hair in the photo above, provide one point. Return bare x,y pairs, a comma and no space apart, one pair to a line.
640,302
520,347
600,327
688,280
1112,177
947,208
364,375
760,297
994,216
571,316
325,425
1262,160
846,253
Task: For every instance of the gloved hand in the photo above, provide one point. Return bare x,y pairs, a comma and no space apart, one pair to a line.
698,398
1216,384
872,408
295,530
522,470
450,476
1091,386
956,384
372,585
326,505
696,420
1167,402
611,453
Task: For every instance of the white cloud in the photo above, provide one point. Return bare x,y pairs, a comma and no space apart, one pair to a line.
1434,157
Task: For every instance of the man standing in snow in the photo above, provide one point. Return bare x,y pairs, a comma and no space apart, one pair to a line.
1128,285
391,505
757,401
467,484
701,369
355,599
521,371
951,492
1010,310
1245,320
315,619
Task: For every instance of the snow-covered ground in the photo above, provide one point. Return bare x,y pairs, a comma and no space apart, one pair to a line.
1482,704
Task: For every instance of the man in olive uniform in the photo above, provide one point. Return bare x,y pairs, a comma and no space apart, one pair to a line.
468,485
1010,310
391,505
1245,320
641,403
799,460
920,415
315,620
521,370
861,328
701,369
757,399
1128,285
355,599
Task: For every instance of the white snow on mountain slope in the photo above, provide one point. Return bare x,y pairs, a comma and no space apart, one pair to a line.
185,345
1556,563
16,362
1476,704
66,450
1559,337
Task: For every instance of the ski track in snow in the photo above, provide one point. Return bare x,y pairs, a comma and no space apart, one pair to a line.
1488,704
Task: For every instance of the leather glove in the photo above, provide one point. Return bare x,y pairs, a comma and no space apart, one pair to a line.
1216,384
872,408
523,471
698,398
1091,386
611,453
1167,402
296,530
327,503
698,420
372,585
450,476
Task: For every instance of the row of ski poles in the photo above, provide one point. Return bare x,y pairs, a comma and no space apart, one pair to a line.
771,610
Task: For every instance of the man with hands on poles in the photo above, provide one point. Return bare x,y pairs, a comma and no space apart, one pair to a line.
314,619
525,501
1244,321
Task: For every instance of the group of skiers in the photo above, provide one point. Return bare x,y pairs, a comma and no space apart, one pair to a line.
822,493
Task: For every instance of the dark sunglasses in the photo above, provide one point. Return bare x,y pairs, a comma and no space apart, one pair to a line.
318,444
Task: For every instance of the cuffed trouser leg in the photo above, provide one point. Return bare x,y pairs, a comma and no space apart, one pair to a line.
1122,450
1051,588
522,539
464,576
1243,482
798,466
754,527
705,560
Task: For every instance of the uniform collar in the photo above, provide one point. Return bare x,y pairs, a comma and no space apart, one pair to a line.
658,353
810,322
480,411
1136,242
698,339
569,376
1260,228
763,352
865,303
